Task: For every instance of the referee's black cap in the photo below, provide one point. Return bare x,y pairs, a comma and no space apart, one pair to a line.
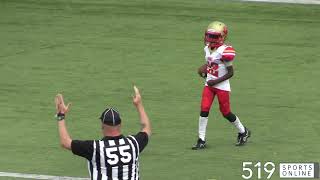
110,117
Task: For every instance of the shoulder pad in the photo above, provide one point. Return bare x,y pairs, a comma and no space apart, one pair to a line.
228,54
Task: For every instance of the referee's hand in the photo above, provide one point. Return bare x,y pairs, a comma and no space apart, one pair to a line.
60,106
136,99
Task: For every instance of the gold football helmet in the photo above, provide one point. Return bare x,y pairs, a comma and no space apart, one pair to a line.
215,34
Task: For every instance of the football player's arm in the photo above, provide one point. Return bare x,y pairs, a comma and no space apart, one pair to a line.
228,75
144,119
62,109
202,70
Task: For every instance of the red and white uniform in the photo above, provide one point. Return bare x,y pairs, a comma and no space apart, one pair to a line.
217,62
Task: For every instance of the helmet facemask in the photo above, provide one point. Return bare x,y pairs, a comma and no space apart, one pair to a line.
213,39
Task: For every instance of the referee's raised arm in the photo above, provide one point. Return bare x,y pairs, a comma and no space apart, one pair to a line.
144,119
62,110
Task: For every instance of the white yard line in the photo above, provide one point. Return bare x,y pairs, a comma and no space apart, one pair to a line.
39,176
289,1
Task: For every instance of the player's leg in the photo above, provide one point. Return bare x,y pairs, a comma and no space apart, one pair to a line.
206,102
224,105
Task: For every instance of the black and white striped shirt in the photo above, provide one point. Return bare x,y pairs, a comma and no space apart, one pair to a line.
112,158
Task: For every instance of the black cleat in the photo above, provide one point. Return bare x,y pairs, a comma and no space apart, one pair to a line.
200,145
243,138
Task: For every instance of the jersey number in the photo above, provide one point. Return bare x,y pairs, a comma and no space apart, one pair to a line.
113,157
213,69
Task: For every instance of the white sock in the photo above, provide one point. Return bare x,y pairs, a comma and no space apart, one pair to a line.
239,125
203,121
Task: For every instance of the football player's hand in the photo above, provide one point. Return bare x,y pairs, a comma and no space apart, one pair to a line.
212,82
60,106
136,99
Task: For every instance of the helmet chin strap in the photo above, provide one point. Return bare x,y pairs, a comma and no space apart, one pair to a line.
215,45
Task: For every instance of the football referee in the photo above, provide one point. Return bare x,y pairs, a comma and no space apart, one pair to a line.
114,157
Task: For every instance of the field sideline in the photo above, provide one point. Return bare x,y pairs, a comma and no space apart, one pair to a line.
93,51
287,1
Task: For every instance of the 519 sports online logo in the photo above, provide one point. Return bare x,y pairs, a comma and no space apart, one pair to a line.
259,170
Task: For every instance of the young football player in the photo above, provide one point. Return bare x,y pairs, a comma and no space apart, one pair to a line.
217,71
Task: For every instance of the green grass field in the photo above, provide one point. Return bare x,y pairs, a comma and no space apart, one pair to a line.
93,51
